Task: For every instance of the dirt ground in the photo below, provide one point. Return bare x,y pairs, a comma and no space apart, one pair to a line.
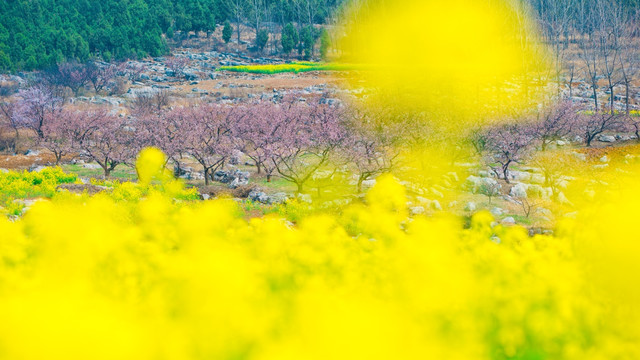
239,85
23,162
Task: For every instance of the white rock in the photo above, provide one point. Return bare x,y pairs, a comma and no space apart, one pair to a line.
579,156
606,138
367,184
471,206
562,198
544,212
37,168
476,184
509,221
538,191
519,190
437,193
496,211
423,201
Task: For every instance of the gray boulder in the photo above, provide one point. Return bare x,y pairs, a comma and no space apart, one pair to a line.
607,138
471,206
519,191
479,184
258,196
496,211
279,198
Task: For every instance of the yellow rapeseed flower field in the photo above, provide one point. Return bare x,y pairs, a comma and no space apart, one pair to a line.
145,276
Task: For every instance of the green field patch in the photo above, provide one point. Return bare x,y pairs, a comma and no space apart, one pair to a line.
296,67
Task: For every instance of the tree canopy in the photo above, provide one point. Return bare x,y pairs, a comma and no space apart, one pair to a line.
36,34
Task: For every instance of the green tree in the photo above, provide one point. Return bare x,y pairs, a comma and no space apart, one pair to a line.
307,42
289,38
262,39
325,43
227,31
5,62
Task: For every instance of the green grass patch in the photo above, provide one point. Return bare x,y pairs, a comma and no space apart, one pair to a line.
522,220
121,172
276,185
296,67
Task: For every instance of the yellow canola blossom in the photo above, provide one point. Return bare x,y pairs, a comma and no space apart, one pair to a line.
460,61
149,277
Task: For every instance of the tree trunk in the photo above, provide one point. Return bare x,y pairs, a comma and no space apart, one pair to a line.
626,99
206,176
589,139
571,85
505,173
595,97
361,179
612,98
268,178
238,29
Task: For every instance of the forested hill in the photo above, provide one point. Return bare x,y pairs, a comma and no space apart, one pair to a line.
40,33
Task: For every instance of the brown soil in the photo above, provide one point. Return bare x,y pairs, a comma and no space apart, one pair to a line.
21,162
81,188
249,83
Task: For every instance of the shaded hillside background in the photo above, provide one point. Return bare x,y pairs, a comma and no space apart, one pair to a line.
36,34
39,34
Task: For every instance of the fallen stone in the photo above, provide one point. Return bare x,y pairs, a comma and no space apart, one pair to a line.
496,211
471,206
607,138
519,191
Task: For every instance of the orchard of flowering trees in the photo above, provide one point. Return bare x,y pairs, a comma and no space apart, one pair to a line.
296,139
503,146
293,139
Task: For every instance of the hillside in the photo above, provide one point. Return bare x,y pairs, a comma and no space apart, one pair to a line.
36,34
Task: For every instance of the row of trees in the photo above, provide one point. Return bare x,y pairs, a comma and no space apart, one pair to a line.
506,145
59,30
594,40
40,33
296,140
303,40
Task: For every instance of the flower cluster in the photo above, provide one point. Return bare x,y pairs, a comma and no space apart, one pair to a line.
148,277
